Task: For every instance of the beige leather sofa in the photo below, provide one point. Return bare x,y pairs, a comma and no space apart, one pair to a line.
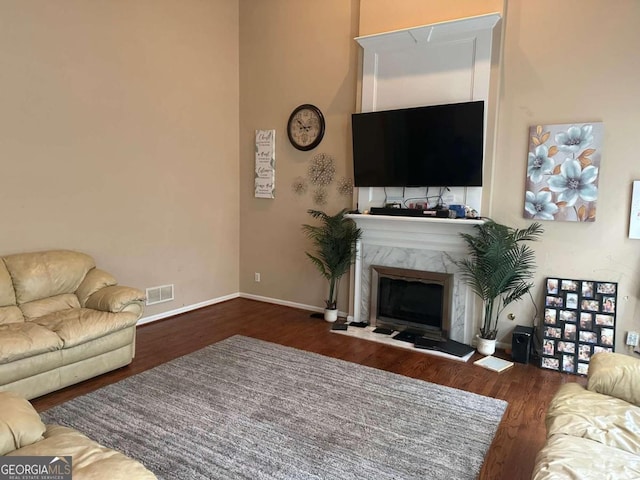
62,321
594,433
22,433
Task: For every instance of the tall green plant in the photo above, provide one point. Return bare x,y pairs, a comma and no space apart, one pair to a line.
335,241
498,268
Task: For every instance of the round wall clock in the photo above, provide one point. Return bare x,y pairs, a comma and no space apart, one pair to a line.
305,127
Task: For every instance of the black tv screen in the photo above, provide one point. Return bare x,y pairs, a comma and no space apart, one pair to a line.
439,145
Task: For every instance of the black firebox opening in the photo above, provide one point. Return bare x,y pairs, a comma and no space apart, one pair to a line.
412,301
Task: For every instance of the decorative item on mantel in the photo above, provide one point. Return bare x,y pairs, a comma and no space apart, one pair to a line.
335,241
562,172
498,270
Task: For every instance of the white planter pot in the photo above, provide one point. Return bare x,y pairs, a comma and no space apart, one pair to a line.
485,346
331,315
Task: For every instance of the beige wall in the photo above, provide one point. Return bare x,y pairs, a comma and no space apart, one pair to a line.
292,52
562,62
572,61
378,16
120,138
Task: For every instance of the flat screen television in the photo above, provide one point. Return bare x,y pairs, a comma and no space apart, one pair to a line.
438,145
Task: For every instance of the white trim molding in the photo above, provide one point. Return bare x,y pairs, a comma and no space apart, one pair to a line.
287,303
249,296
186,308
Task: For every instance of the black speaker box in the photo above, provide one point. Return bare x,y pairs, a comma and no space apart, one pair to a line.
521,343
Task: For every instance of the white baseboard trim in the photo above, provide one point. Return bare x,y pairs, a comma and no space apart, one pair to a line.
287,303
186,308
259,298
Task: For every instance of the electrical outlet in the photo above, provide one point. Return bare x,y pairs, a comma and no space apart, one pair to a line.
632,339
256,277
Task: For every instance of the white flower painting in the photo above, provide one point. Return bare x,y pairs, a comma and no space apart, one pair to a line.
562,172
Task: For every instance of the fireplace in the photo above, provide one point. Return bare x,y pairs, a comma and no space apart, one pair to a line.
416,244
413,301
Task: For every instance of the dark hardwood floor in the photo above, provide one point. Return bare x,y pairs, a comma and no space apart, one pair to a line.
527,389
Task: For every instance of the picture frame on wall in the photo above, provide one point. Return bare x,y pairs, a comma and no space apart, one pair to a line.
579,321
559,156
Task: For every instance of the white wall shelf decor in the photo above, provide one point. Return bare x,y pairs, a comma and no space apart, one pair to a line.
265,172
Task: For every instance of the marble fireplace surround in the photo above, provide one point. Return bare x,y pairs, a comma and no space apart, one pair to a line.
417,244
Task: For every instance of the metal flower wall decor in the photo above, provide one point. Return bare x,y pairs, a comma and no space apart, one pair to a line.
322,170
299,186
562,172
320,174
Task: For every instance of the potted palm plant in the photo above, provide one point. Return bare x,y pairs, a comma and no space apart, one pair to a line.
498,269
335,241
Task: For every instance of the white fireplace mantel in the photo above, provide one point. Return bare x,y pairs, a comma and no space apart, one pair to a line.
416,243
412,232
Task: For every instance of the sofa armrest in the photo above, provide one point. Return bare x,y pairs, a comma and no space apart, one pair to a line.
565,457
117,299
20,424
91,461
616,375
95,280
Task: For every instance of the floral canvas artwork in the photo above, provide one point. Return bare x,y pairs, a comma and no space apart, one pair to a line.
563,168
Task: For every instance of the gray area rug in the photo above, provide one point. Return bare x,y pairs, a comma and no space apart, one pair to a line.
247,409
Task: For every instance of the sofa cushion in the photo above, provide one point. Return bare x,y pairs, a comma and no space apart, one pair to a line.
46,274
20,424
26,339
91,461
45,306
615,374
575,458
608,420
79,325
7,293
10,314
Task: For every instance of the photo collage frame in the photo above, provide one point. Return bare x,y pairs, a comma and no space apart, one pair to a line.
579,321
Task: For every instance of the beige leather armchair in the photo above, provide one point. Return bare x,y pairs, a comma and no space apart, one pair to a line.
594,433
22,433
62,321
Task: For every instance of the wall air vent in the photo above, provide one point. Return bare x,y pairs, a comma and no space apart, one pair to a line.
163,293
